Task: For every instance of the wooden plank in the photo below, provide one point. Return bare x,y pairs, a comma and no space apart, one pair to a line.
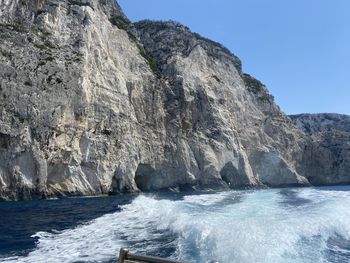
149,259
126,257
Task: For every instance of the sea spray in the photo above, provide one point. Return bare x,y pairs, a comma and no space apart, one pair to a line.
279,225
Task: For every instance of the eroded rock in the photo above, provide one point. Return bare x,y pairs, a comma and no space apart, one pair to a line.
93,104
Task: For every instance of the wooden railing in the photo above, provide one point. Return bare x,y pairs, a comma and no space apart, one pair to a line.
126,257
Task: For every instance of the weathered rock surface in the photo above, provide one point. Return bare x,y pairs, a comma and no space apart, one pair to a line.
92,104
327,155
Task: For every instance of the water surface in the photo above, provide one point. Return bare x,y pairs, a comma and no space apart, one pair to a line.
276,225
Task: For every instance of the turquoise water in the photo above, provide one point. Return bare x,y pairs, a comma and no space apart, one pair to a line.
277,225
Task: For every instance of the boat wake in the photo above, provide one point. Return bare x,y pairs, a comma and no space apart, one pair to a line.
288,225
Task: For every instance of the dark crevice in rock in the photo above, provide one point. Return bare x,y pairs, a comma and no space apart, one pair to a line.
234,177
143,177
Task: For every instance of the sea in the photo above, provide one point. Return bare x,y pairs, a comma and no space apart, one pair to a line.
274,225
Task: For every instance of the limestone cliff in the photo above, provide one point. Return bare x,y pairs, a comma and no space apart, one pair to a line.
327,155
93,104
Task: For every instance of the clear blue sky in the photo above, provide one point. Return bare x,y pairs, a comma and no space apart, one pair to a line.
300,49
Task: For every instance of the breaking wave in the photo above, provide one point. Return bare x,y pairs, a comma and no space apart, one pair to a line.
287,225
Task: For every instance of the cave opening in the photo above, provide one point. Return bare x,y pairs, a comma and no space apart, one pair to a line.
143,177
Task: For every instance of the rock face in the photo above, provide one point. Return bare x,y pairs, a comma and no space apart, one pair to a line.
327,155
93,104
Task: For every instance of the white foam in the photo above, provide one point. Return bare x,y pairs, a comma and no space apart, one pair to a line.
206,199
260,228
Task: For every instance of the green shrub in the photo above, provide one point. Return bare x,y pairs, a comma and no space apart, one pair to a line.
150,61
79,3
28,83
119,21
45,45
252,84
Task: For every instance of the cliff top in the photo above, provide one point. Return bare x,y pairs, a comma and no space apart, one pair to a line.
29,10
177,38
312,123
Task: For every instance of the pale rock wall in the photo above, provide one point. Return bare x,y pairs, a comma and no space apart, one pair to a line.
69,79
327,154
93,104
